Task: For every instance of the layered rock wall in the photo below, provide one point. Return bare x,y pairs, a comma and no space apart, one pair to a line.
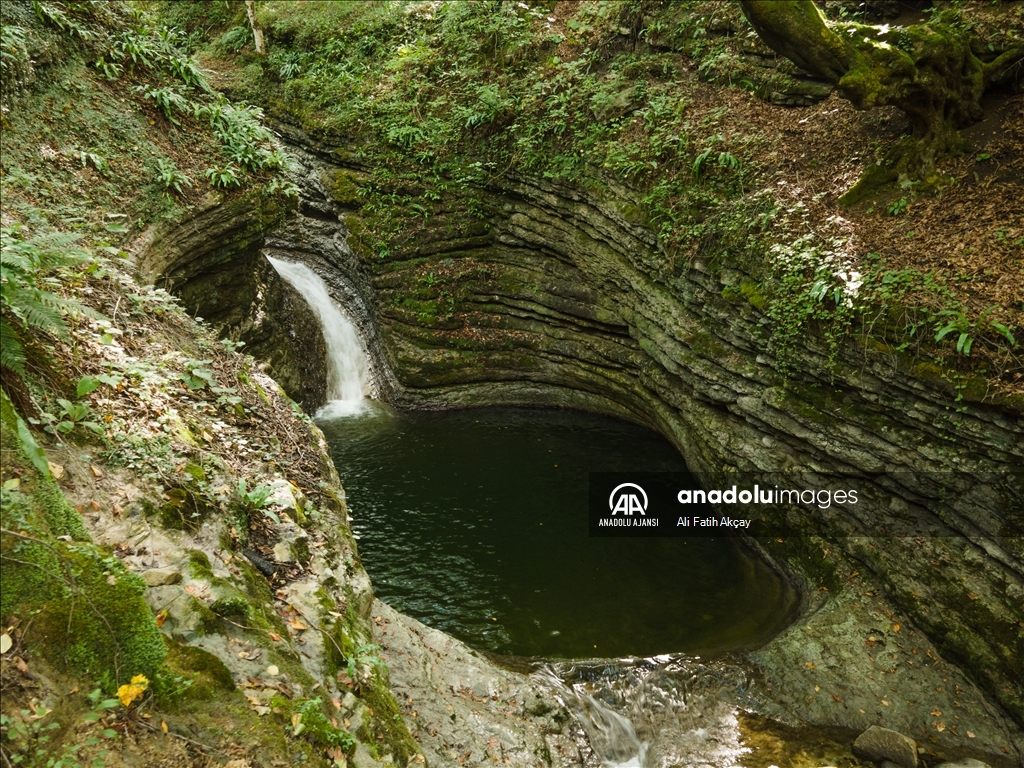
539,294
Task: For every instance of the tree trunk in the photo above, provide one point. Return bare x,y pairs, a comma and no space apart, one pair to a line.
257,31
929,71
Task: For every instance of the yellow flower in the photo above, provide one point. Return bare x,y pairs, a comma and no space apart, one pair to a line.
131,691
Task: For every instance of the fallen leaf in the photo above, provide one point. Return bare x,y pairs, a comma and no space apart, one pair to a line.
836,698
970,735
161,618
895,627
297,625
163,726
940,726
809,664
96,470
275,637
936,713
95,505
21,665
5,643
56,470
297,725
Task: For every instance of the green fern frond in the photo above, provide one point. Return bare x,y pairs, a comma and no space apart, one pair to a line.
33,313
12,356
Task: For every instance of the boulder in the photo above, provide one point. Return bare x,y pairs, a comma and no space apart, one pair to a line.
878,744
160,577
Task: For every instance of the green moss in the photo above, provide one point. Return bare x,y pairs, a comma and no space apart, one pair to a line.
30,569
751,291
185,508
208,673
386,727
61,517
93,619
343,187
261,600
196,472
873,181
199,564
232,606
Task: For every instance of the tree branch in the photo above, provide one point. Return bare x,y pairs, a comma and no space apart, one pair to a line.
797,30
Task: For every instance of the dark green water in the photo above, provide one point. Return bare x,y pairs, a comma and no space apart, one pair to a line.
475,522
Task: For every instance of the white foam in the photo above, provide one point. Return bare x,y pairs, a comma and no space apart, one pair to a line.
348,378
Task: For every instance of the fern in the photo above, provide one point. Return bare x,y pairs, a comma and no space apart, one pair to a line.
24,304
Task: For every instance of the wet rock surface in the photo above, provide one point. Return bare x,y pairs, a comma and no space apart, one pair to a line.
463,709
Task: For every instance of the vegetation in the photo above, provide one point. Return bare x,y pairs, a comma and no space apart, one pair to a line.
935,72
446,101
119,408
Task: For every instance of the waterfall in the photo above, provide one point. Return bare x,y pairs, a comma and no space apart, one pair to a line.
347,372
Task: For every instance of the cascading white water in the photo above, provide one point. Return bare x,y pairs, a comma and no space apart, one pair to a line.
656,712
347,371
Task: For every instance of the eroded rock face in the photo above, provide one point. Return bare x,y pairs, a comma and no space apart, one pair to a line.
542,294
213,263
464,710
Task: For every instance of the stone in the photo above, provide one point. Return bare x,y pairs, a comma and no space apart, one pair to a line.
160,577
283,552
878,744
967,762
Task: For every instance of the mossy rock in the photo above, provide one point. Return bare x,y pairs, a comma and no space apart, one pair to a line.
185,508
199,564
386,728
343,187
232,606
91,614
61,517
209,674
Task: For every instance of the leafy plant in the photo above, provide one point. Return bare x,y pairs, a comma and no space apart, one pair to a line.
27,734
898,207
25,305
952,321
308,719
168,99
224,177
72,415
170,177
10,417
96,161
364,657
256,498
198,377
